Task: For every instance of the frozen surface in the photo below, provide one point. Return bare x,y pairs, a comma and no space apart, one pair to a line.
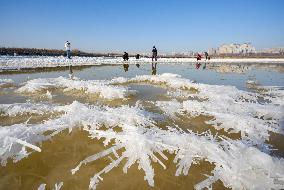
25,108
233,110
274,94
103,88
4,82
142,141
131,134
19,62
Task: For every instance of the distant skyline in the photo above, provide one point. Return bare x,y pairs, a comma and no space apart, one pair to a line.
135,26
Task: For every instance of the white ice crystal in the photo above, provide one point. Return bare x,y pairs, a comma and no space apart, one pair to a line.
131,134
253,121
48,95
88,115
237,164
58,186
274,94
20,62
42,186
25,108
103,88
233,110
4,82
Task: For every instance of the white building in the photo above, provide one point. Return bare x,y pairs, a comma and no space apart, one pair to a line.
277,50
233,49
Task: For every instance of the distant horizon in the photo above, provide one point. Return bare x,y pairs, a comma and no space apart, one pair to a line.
146,52
135,26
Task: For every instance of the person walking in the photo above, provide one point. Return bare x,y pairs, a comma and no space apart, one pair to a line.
68,49
154,53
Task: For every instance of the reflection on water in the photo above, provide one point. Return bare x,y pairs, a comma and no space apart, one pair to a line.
61,154
154,68
125,67
220,74
71,74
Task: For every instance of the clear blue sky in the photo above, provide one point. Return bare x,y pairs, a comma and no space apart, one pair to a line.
125,25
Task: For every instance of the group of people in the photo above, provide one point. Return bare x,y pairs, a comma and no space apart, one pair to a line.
137,56
125,58
199,57
125,55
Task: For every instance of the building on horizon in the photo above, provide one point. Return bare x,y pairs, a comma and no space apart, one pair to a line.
276,50
245,48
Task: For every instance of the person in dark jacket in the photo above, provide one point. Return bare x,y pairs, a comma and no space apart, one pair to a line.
154,53
206,56
125,56
137,56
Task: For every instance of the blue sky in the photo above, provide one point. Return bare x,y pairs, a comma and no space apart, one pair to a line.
124,25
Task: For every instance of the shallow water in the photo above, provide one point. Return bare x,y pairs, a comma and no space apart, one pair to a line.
220,74
65,150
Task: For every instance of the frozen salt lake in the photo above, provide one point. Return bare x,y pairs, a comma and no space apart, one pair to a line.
122,127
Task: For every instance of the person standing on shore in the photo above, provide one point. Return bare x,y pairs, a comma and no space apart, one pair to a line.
154,53
198,58
206,56
68,49
137,56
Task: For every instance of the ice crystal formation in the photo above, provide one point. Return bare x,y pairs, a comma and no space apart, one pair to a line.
244,163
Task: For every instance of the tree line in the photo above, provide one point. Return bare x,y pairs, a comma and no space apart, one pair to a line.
45,52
